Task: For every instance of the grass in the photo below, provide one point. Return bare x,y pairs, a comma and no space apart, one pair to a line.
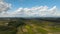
32,27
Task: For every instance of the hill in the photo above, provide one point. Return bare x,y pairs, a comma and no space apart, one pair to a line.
29,25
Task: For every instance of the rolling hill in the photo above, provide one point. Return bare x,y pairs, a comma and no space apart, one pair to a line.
29,25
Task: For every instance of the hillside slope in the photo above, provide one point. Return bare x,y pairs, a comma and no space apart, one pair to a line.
29,26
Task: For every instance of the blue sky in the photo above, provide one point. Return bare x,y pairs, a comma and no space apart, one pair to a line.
30,8
32,3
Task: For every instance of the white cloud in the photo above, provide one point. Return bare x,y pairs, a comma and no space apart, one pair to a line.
42,11
53,10
4,6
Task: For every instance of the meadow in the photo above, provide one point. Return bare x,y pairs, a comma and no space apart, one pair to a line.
28,26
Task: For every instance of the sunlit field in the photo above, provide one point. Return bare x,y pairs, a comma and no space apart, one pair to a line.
28,26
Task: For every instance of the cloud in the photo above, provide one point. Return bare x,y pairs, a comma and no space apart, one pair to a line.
41,11
4,6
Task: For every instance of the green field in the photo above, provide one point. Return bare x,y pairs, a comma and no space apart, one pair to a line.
29,27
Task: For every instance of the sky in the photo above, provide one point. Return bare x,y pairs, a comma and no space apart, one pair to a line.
29,8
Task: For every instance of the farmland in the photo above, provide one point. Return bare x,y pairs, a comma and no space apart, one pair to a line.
29,26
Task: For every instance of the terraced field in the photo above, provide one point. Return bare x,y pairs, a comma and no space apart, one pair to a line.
35,27
29,27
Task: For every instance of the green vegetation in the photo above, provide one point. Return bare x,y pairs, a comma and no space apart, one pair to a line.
26,26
